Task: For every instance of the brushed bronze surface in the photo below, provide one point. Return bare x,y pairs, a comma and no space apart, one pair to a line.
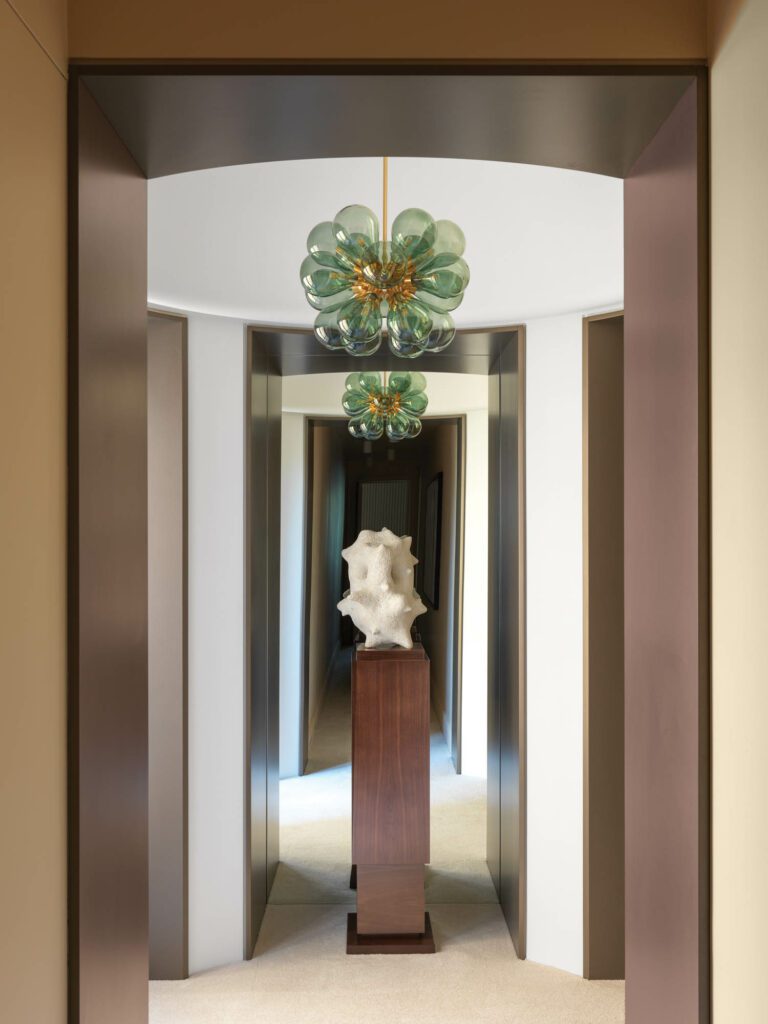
603,531
108,649
262,632
666,598
167,665
598,121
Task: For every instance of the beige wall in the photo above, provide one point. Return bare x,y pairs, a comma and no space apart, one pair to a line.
32,512
549,29
740,508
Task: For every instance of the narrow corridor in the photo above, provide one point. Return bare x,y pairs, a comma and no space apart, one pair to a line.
301,974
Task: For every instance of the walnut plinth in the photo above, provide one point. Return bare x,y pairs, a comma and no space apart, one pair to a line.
390,800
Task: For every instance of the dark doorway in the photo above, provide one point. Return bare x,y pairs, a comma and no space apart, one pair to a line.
495,355
386,485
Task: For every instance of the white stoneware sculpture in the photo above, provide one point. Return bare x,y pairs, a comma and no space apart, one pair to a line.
381,600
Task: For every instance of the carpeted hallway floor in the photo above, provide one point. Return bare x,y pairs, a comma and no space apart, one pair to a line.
301,974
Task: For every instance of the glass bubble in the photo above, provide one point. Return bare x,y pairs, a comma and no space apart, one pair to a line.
327,330
364,347
414,427
397,426
446,283
400,381
407,381
437,303
414,403
435,262
355,402
414,231
442,334
356,229
328,303
363,382
321,243
369,426
404,349
323,281
402,426
449,238
359,321
409,322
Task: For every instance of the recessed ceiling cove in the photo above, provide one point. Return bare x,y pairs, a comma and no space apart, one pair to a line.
540,240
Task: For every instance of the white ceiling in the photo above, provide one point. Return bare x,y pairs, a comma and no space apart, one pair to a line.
540,240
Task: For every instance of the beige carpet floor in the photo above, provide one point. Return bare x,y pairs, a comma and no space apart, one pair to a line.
301,974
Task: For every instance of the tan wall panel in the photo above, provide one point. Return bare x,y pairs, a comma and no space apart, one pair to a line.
739,503
666,664
550,30
32,529
47,21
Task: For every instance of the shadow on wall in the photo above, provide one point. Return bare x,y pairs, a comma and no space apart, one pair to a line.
326,536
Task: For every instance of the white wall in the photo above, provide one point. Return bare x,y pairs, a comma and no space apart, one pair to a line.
554,620
567,249
474,708
449,394
555,641
216,663
292,525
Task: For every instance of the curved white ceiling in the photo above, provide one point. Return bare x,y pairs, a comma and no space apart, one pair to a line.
540,240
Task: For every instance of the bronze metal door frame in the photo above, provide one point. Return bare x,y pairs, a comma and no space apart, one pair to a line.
103,306
168,644
603,578
507,760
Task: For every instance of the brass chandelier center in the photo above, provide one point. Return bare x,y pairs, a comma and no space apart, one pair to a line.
391,282
384,403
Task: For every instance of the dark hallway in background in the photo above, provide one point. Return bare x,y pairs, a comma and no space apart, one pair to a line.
355,485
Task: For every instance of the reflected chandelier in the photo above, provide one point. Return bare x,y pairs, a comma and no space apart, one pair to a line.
357,280
393,405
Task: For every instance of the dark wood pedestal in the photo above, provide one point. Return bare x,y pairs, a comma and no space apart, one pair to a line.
390,801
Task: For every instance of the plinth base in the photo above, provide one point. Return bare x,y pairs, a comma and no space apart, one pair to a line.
423,943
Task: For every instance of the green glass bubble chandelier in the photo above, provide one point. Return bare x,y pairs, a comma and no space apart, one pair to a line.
359,281
392,405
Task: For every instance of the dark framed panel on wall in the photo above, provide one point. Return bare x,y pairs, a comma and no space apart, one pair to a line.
433,522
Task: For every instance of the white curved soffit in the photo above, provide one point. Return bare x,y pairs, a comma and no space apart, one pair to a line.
540,240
